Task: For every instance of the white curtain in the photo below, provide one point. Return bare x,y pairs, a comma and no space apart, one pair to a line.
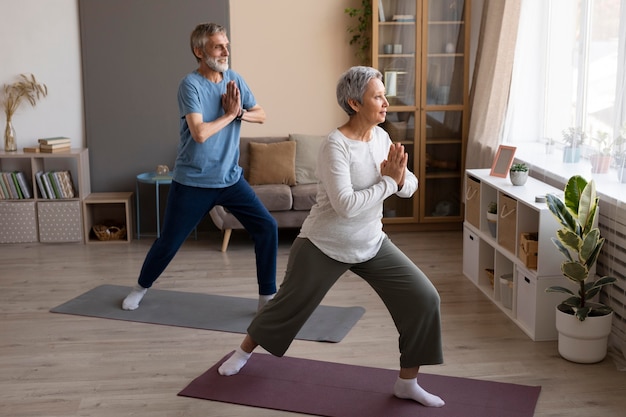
491,81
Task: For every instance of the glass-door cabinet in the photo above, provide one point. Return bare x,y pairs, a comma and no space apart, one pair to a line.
421,48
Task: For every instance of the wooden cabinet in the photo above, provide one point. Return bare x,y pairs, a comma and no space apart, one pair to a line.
422,49
39,219
514,262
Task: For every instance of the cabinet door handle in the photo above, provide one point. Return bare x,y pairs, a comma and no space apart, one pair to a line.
527,280
506,213
471,193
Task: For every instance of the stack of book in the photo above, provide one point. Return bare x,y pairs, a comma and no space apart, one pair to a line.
13,186
57,144
51,145
55,184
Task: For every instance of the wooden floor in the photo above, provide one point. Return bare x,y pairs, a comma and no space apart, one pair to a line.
61,365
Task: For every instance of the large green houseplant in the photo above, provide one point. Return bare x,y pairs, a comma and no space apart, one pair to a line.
580,243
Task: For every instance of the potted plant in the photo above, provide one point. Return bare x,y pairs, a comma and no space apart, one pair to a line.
361,31
583,325
619,155
601,159
518,173
574,138
492,217
27,88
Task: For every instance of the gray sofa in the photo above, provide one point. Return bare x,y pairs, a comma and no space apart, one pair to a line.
280,169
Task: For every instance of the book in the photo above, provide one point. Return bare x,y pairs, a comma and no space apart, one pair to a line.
21,180
54,140
56,187
65,181
40,184
45,178
55,150
33,149
5,190
20,194
44,146
8,180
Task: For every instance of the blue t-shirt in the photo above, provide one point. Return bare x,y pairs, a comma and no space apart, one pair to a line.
214,163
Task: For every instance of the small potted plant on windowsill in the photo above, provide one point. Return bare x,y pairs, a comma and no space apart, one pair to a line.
574,138
619,155
492,217
601,159
518,174
583,325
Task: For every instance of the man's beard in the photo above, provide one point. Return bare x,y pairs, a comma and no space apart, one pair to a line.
215,65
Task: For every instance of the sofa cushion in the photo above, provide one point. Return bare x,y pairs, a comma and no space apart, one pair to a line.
272,163
275,197
307,149
304,196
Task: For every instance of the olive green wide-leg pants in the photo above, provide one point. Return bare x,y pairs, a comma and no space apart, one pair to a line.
408,294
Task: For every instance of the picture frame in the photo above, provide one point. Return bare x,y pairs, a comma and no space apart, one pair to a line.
503,160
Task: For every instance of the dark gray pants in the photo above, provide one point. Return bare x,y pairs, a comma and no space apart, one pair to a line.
408,294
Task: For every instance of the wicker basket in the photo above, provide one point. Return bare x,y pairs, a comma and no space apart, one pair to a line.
103,232
489,272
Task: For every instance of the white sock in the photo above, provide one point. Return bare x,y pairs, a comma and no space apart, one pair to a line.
132,300
263,299
409,389
234,364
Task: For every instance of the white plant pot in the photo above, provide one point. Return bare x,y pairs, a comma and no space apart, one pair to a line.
583,341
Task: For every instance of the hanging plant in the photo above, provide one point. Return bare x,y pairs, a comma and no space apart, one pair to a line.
361,31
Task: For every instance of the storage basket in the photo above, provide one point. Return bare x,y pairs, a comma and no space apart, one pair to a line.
489,272
103,232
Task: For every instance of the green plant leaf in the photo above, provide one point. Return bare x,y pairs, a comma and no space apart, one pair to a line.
575,271
587,202
569,239
558,288
573,190
561,248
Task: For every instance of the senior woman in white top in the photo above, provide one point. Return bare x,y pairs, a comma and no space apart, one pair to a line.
358,168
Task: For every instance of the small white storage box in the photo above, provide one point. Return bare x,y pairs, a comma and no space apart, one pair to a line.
470,255
506,290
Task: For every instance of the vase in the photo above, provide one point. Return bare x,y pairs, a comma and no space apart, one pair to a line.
583,341
10,145
571,155
600,163
518,177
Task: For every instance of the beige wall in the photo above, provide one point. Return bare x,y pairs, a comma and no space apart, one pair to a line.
291,53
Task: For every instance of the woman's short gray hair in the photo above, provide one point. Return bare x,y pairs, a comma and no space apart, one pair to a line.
201,33
352,85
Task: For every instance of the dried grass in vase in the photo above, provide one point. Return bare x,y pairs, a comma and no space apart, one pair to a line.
27,88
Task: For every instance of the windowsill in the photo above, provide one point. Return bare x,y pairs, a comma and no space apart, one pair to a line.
551,166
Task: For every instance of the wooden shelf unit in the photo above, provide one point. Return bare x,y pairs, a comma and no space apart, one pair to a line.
39,219
110,209
424,58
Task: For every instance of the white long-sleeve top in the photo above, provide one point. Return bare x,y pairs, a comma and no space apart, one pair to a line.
346,221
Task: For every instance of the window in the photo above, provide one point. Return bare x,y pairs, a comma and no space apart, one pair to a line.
568,73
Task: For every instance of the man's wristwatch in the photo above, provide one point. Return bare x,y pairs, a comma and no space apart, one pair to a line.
242,111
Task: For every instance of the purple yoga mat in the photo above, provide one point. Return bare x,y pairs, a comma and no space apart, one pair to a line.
338,390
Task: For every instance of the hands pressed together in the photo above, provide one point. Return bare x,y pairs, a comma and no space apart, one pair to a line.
395,164
231,100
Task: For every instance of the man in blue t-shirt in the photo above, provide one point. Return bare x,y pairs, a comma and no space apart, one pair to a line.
213,101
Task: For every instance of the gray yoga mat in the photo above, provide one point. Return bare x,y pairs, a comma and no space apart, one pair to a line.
203,311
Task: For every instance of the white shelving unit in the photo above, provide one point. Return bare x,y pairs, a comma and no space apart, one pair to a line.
39,219
532,309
